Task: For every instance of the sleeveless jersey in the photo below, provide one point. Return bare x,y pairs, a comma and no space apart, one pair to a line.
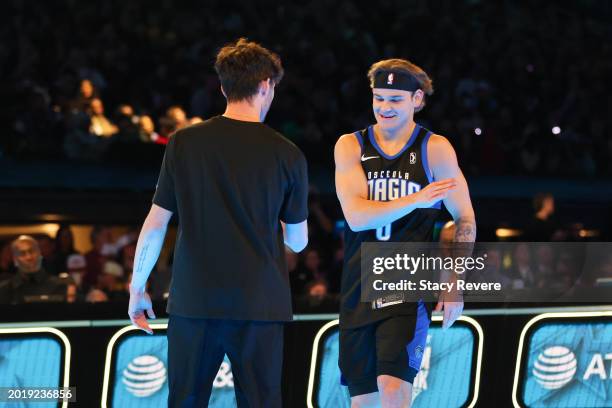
388,177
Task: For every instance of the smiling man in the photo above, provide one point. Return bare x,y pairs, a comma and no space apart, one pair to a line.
391,179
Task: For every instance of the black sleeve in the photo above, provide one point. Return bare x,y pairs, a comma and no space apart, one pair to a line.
164,192
295,204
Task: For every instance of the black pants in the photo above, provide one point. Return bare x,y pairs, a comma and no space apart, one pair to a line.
196,348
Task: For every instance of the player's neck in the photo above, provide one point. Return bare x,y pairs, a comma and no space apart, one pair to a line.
243,110
400,134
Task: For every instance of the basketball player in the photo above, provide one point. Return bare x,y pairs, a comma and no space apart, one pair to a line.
391,179
239,188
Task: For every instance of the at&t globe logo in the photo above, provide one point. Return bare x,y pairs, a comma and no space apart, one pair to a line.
555,367
144,376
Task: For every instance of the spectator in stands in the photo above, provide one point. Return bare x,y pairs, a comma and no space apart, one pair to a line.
312,266
125,110
112,282
64,247
494,268
96,257
77,268
494,97
127,124
96,296
87,93
166,128
6,260
522,271
113,247
174,119
545,265
100,125
178,116
127,254
317,289
79,143
47,249
31,283
542,226
195,120
566,272
146,129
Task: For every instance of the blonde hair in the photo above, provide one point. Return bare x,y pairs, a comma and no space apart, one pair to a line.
406,67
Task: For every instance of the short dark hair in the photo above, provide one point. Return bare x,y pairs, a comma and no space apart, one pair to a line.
242,65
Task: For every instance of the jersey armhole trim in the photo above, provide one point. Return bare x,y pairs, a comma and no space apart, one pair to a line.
359,139
425,161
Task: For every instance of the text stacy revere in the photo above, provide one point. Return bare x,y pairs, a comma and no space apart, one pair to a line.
427,285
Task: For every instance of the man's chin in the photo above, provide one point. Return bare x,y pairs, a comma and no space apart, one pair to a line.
387,124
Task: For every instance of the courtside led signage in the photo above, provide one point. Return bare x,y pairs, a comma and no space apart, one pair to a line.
565,360
136,373
449,375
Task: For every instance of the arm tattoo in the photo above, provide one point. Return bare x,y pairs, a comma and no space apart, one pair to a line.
466,230
143,254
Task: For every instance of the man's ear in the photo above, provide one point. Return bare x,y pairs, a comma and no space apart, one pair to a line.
418,97
223,91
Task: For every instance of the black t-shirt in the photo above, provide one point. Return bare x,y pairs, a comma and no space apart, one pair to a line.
231,182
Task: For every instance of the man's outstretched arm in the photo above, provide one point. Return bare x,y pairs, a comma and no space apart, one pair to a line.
352,190
150,242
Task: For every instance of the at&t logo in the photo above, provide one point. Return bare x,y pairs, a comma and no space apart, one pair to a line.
555,367
144,376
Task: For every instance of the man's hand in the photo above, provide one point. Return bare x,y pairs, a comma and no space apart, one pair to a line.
140,301
434,192
452,308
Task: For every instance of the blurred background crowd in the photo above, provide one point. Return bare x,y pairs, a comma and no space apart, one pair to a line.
521,90
521,86
44,268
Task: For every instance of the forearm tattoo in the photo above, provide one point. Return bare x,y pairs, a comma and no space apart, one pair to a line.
466,230
142,257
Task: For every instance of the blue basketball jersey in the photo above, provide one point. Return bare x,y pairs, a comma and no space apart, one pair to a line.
388,178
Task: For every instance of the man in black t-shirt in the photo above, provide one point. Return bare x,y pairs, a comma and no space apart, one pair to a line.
240,189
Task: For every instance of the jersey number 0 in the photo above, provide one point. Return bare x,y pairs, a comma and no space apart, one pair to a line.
383,233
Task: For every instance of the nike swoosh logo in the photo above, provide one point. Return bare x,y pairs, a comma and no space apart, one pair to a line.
364,158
